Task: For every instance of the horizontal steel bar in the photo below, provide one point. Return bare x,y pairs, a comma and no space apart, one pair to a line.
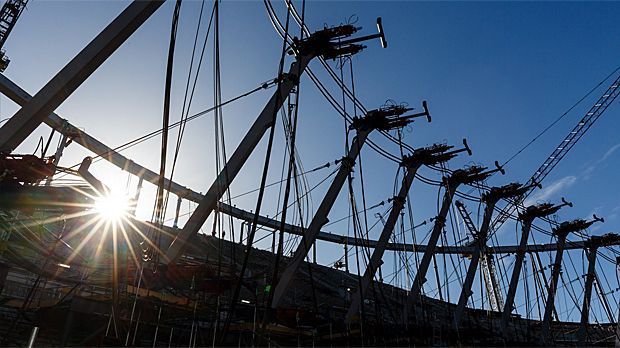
19,96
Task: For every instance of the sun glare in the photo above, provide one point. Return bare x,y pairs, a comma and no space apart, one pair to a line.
112,207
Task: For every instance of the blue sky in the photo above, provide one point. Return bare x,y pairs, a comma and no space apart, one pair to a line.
496,73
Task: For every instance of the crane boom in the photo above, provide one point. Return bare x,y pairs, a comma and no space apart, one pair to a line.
562,149
8,17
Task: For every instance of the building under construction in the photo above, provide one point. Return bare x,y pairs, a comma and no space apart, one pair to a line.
79,268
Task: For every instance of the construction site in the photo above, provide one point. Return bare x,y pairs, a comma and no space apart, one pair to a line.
262,251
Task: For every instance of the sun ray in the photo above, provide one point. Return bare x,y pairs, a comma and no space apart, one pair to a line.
59,218
81,228
90,234
145,238
129,245
154,227
102,239
114,265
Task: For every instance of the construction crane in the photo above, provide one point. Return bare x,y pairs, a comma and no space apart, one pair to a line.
487,263
8,17
562,149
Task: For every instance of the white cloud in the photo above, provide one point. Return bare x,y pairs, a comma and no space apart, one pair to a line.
590,169
609,152
614,213
552,189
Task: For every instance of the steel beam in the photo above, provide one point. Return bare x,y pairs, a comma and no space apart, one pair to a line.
78,136
375,262
420,248
553,286
429,252
516,271
67,80
320,218
264,121
458,177
582,333
527,217
479,247
440,220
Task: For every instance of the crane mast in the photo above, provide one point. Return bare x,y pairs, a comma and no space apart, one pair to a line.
8,17
487,263
562,149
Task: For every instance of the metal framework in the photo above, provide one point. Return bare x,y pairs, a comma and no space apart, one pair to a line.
593,244
424,156
451,183
79,136
561,232
490,199
8,17
329,44
67,80
531,213
322,43
233,166
486,263
382,119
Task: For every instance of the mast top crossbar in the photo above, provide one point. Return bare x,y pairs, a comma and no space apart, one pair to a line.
511,190
388,118
577,225
330,43
607,239
542,210
434,154
469,175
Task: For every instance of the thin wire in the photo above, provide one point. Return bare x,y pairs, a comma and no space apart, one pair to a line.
561,116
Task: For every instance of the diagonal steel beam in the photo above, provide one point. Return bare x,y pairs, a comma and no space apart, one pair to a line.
320,218
233,166
377,254
582,333
553,287
67,80
527,217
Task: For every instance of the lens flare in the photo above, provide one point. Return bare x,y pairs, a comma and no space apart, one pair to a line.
112,207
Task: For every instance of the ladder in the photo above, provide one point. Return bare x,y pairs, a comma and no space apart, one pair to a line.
487,264
8,17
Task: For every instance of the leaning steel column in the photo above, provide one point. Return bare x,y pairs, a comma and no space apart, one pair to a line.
263,122
67,80
516,271
423,156
490,198
592,246
531,213
458,177
587,295
317,44
553,286
384,119
561,232
320,218
398,202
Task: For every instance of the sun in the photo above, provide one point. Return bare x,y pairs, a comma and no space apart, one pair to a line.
112,207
